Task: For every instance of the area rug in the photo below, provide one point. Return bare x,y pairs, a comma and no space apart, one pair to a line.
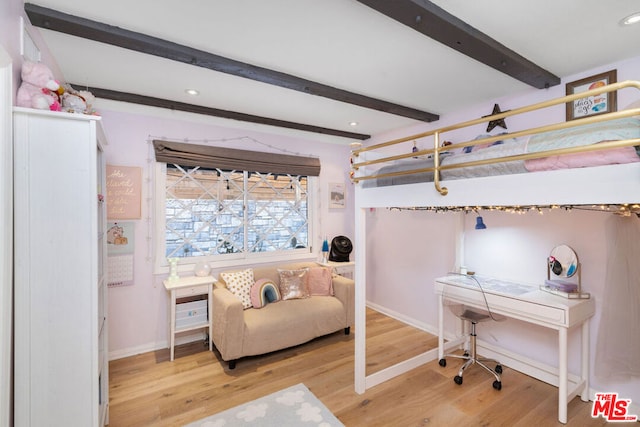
293,406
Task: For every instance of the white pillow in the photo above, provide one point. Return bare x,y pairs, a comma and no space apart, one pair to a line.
239,283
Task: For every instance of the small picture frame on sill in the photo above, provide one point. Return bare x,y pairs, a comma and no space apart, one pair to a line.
336,195
591,105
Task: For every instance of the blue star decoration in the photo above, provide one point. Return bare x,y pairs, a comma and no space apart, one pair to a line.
494,123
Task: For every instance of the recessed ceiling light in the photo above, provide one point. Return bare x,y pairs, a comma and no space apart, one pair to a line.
192,92
353,123
631,19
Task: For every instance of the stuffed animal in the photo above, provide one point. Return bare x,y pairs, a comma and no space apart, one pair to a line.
38,89
77,101
73,103
89,99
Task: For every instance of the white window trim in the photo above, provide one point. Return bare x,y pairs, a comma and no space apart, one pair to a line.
185,265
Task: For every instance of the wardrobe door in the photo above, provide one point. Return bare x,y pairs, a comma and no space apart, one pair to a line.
58,270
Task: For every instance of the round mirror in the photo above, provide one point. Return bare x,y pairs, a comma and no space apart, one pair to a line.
563,261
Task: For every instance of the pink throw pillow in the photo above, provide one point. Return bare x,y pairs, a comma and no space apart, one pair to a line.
320,281
293,284
263,292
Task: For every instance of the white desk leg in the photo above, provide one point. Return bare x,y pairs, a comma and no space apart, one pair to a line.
440,327
210,317
172,327
585,360
563,376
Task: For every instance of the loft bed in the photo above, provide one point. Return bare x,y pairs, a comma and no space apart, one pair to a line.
588,162
592,160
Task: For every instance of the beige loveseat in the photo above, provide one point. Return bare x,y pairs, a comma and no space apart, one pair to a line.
240,332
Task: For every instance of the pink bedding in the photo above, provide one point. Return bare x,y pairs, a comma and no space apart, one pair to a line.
593,133
593,158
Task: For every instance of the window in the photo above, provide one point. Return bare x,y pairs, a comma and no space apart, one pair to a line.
231,205
222,212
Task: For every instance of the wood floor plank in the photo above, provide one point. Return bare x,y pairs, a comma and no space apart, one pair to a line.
150,390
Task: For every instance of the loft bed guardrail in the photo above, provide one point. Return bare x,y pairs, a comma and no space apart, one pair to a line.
359,162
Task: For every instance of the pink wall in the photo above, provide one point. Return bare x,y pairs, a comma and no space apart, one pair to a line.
407,250
138,313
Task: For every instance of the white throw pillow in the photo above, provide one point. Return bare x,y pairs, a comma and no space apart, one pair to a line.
239,283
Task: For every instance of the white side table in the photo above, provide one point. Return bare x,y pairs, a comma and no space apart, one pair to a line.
186,287
341,268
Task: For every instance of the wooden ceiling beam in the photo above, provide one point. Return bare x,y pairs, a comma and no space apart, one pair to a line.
57,21
436,23
199,109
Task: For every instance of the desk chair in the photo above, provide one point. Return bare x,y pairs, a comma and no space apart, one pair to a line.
473,316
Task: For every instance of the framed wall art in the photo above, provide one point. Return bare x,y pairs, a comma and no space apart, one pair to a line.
124,192
591,105
336,193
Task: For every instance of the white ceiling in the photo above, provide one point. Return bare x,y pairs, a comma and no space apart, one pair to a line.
341,43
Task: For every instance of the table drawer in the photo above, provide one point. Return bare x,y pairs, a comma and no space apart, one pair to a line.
191,314
192,290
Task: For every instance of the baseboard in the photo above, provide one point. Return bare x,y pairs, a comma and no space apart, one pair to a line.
400,368
403,318
153,346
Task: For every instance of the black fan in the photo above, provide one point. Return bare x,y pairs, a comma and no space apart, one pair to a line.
341,247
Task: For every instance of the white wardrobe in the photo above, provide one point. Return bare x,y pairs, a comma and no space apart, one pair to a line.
61,364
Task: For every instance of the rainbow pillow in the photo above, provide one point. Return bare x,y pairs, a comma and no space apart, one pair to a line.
263,292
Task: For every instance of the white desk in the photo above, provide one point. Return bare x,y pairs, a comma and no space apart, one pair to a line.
534,306
186,287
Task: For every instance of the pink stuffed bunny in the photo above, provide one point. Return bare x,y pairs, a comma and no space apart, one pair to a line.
38,88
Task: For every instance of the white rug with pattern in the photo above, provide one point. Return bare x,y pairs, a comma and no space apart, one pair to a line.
293,406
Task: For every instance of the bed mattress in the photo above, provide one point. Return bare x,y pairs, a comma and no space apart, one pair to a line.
626,128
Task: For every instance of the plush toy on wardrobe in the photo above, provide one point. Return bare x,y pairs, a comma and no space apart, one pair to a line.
77,101
39,89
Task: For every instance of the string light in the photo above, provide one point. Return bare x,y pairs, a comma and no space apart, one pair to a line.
620,209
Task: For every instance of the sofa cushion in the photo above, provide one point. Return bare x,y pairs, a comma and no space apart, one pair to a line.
239,283
320,281
263,292
291,322
293,283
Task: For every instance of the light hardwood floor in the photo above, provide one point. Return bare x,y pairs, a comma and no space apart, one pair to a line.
150,390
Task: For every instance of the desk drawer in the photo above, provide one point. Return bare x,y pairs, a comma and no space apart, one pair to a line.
530,310
535,313
193,290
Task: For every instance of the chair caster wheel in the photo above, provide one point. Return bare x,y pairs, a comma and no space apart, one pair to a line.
458,380
497,385
498,369
442,362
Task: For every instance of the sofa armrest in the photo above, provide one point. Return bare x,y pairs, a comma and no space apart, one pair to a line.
345,290
228,323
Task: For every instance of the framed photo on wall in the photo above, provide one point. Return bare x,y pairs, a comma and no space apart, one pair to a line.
591,105
336,195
